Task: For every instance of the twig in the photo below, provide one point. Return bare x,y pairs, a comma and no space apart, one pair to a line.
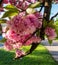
41,7
54,16
30,36
33,47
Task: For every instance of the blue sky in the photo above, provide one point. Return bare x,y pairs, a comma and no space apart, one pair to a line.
54,9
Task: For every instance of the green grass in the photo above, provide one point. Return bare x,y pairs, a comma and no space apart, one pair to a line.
40,56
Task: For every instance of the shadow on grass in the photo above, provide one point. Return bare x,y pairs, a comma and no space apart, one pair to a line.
38,57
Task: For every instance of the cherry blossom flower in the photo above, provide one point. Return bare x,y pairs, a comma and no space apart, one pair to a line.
19,53
50,32
8,45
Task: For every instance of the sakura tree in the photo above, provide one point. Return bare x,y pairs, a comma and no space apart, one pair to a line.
26,25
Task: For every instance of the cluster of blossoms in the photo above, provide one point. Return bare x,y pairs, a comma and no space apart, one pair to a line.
15,1
50,32
21,27
21,4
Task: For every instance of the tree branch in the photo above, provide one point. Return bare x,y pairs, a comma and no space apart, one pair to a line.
41,6
41,9
0,29
46,16
54,16
31,36
33,47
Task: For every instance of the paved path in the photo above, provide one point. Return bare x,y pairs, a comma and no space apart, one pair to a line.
53,49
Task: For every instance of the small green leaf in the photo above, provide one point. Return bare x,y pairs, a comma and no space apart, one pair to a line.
9,13
56,28
44,23
35,5
10,7
3,21
3,40
38,33
50,42
51,24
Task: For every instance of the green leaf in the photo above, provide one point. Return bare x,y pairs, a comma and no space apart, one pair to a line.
38,33
35,5
9,13
3,21
3,40
56,28
51,24
10,7
44,23
50,42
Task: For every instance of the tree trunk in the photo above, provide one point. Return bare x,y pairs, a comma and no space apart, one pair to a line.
46,16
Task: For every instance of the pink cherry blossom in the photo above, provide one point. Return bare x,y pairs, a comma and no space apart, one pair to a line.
27,23
1,9
32,1
17,45
5,1
12,2
38,15
35,21
12,36
22,5
50,32
19,53
34,39
8,45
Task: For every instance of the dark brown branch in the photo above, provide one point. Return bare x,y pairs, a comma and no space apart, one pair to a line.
33,47
46,16
30,36
41,9
41,6
0,29
54,16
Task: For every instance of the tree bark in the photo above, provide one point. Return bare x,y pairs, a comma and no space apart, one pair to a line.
46,16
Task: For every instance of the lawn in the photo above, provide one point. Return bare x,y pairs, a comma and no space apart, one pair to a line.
39,57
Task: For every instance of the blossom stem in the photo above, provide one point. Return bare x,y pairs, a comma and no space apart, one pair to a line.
54,16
